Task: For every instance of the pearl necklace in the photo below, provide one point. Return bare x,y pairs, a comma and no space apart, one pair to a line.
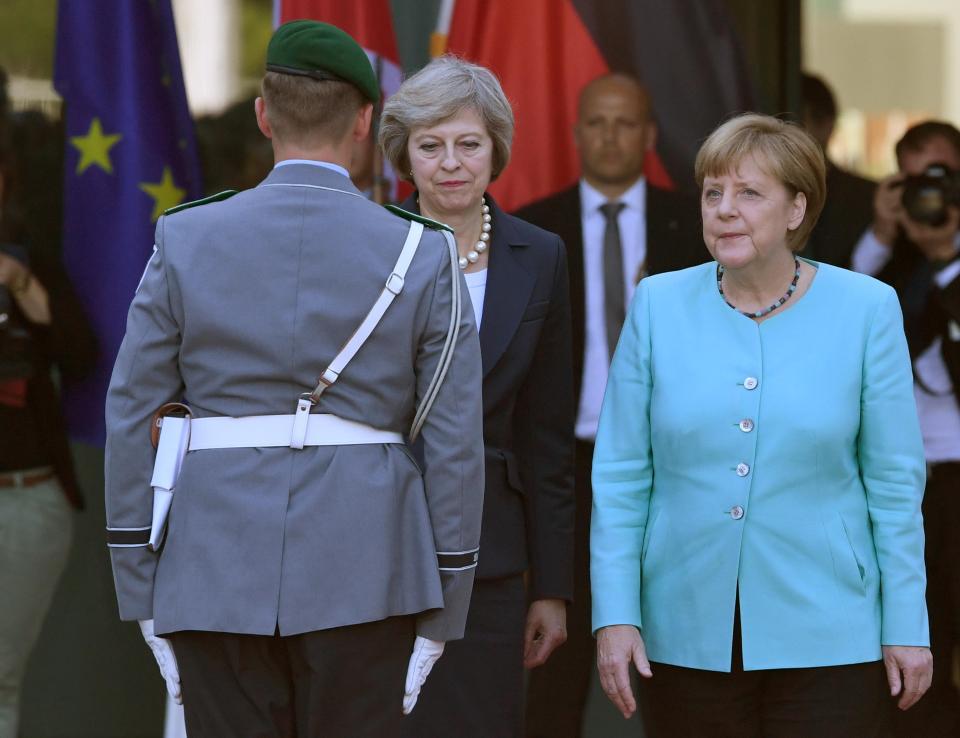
765,311
473,255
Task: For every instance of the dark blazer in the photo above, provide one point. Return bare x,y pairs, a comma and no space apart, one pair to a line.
846,214
528,408
674,241
68,344
928,310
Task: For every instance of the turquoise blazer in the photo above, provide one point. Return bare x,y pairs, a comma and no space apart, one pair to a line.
782,458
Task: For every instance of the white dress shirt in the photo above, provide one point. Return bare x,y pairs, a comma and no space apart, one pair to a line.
939,414
633,241
477,286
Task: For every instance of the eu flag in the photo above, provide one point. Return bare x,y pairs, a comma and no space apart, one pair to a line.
130,155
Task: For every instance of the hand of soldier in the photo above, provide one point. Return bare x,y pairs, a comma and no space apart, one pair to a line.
166,660
888,209
425,655
937,243
546,630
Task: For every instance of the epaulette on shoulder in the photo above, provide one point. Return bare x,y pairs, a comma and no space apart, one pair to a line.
407,215
225,195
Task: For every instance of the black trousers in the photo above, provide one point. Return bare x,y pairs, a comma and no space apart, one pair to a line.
557,691
850,701
938,711
338,683
476,688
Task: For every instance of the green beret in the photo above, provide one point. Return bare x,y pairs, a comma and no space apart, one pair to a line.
313,49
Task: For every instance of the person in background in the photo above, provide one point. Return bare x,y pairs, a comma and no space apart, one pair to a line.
617,227
233,153
449,128
848,209
922,261
757,542
42,330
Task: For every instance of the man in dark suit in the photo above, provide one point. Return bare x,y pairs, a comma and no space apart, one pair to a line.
617,228
922,261
849,206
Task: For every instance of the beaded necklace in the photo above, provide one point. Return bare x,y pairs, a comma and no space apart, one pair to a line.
473,255
766,311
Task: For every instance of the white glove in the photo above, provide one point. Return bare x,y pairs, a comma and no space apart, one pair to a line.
425,655
166,660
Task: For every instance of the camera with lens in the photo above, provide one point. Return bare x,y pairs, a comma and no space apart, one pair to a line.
927,196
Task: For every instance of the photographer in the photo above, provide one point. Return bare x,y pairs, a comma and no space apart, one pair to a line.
914,245
41,327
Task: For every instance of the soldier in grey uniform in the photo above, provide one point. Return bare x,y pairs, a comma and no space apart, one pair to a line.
306,553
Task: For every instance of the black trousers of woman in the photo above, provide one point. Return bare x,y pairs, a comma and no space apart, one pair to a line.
476,688
850,701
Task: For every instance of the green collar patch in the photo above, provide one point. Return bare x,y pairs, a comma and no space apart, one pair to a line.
407,215
225,195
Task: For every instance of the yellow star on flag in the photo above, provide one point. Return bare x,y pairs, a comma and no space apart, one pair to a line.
165,193
95,148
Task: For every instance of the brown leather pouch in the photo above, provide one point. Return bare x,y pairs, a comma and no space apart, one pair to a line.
177,409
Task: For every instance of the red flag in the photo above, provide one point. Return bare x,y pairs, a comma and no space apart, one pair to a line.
544,55
370,22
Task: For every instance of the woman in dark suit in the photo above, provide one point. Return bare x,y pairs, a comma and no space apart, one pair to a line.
449,129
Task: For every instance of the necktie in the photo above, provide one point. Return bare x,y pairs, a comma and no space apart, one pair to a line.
614,300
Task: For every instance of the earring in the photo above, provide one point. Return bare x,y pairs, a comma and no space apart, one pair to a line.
411,174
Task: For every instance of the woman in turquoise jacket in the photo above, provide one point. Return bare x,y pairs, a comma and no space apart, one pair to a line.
756,542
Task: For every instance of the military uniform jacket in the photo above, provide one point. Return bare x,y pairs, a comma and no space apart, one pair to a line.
242,305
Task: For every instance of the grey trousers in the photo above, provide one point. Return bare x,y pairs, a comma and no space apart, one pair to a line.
35,532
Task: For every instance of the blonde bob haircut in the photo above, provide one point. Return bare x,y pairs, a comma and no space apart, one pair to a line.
437,92
781,149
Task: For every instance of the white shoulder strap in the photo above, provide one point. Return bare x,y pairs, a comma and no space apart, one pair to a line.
391,289
453,332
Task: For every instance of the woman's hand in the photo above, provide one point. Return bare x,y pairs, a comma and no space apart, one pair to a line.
617,646
30,295
12,272
915,663
546,629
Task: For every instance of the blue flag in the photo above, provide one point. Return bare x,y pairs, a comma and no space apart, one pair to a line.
130,155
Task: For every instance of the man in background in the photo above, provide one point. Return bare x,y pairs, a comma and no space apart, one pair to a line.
919,254
848,209
617,228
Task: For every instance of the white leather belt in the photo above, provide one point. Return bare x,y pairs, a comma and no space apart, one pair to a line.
265,431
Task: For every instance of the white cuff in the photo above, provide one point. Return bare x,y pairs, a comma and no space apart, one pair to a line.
869,255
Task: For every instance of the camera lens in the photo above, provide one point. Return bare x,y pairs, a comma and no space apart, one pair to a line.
926,196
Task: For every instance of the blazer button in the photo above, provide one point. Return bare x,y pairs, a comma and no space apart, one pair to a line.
746,425
750,383
736,512
742,470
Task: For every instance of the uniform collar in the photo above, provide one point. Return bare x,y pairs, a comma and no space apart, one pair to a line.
311,174
314,163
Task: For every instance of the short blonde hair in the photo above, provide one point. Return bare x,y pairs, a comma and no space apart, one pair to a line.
437,92
783,149
305,110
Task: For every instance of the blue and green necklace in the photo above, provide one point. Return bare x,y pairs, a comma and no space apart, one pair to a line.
766,311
